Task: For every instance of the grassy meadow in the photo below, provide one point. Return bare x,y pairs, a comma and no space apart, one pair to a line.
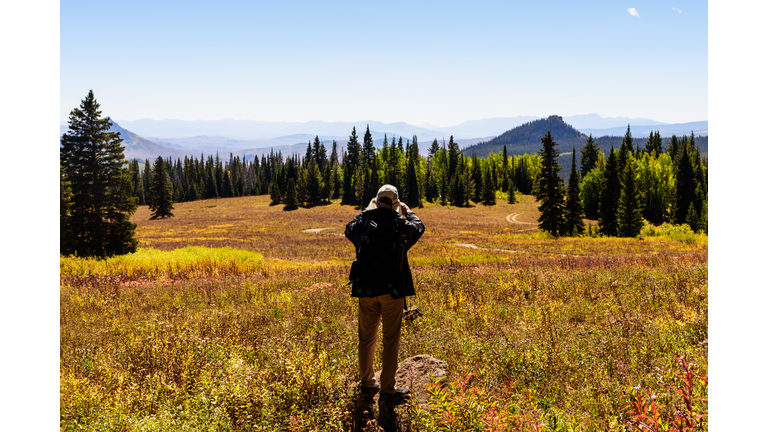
232,317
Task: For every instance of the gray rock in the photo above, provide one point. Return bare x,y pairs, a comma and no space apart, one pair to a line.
414,373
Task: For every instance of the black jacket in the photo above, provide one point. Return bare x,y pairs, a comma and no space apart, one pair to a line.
412,230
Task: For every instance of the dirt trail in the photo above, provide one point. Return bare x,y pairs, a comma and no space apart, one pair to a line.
512,218
319,230
471,246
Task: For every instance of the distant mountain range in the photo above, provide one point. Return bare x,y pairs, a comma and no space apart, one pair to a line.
148,139
249,130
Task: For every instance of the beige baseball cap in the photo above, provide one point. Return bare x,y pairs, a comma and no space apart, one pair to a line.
387,197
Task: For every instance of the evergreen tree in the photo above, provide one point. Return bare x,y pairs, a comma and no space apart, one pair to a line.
685,185
138,184
318,151
692,218
65,200
334,155
274,192
291,202
453,157
337,184
359,185
589,155
609,197
369,151
477,177
574,213
146,179
92,159
352,163
629,219
673,147
550,188
504,169
434,148
413,195
489,194
625,150
511,191
161,191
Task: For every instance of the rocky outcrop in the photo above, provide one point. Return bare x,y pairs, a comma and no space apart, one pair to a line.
417,372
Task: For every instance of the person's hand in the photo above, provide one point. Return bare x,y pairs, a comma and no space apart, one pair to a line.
404,208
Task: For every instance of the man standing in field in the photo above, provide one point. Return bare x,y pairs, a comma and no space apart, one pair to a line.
381,279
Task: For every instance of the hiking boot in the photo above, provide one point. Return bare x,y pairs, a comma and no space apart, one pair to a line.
400,395
370,392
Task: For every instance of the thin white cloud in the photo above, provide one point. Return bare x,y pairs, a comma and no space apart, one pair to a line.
633,12
677,10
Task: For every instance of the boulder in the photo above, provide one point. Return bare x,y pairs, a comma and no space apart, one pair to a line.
414,373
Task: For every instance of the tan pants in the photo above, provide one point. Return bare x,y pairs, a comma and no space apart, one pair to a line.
370,312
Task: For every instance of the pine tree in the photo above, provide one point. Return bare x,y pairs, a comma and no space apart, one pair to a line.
550,188
65,199
511,191
92,160
453,157
672,147
629,219
685,185
504,169
274,192
334,155
291,202
489,194
434,148
589,155
625,150
352,163
161,191
146,179
574,213
609,197
413,195
477,177
318,151
692,218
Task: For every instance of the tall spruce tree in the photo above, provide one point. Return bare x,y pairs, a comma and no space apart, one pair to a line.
550,188
413,195
350,169
574,213
92,160
609,197
625,151
291,200
489,194
65,199
511,198
629,219
589,155
685,185
161,191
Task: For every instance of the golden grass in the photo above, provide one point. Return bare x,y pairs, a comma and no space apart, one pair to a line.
537,331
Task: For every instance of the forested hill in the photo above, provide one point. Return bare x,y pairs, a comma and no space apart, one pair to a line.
526,138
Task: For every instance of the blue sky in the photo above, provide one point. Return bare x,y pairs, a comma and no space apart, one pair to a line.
438,62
